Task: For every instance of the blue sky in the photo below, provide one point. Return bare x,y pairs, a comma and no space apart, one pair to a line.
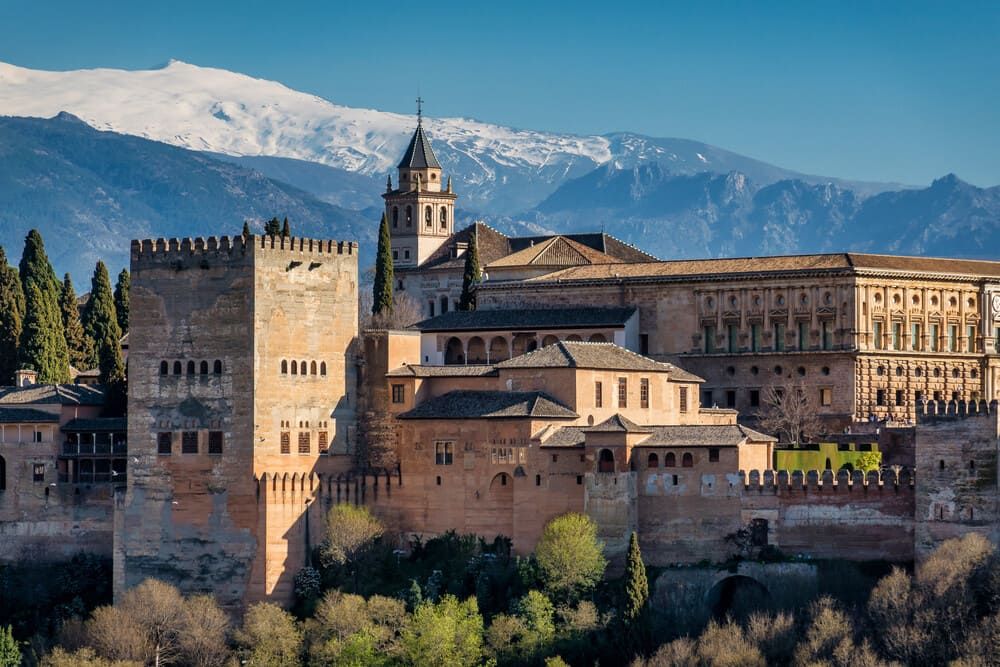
892,91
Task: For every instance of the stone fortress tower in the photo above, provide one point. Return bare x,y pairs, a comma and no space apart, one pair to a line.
241,387
420,212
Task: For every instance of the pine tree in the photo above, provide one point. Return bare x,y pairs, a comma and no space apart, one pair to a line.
80,347
636,585
101,323
11,318
382,290
246,229
272,227
10,653
286,230
471,277
121,299
43,343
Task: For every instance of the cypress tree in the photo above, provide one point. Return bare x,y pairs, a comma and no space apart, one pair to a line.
286,230
80,347
43,343
10,652
101,323
471,276
382,290
272,227
636,585
121,299
11,318
246,229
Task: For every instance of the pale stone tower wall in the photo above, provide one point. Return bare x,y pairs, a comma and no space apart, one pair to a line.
201,520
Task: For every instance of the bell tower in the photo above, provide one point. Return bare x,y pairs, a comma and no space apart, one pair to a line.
420,212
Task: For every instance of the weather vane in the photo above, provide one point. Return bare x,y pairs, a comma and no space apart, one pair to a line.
420,107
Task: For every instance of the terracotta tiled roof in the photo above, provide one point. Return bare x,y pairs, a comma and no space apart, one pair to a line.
618,424
63,394
524,318
776,264
702,436
599,241
556,251
442,371
466,404
567,436
599,356
26,416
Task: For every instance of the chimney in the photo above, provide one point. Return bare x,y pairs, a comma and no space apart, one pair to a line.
25,377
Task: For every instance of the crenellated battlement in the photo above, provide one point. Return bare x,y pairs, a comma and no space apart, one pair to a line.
181,250
352,487
827,481
929,412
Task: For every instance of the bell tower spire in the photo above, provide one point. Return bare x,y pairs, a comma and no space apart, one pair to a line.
420,212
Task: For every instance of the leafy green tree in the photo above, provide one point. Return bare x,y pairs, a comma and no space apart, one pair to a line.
11,318
446,634
471,276
121,299
636,585
286,230
269,637
570,556
538,615
382,289
351,530
10,653
43,343
78,344
272,227
868,461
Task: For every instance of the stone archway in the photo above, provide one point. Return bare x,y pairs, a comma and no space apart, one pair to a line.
454,352
477,351
597,338
550,340
499,350
606,461
738,596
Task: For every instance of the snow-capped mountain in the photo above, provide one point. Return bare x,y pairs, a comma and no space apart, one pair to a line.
497,169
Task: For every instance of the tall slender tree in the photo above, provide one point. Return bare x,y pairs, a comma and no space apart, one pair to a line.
43,343
472,275
121,299
80,347
246,229
272,227
11,318
382,289
101,324
636,584
286,230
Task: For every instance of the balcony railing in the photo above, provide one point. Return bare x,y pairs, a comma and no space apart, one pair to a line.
93,449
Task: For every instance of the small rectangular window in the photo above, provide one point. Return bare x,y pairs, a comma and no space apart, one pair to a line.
900,397
286,443
406,254
915,337
707,399
732,336
444,453
970,335
682,402
877,334
826,396
754,398
323,441
779,337
164,443
755,338
36,436
579,479
709,333
215,442
598,395
395,254
397,393
953,338
880,397
713,455
730,398
935,338
803,336
827,334
189,442
38,472
644,344
897,335
304,444
622,392
644,393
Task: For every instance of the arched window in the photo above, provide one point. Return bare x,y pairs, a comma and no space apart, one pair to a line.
177,368
395,216
687,460
653,461
477,350
217,367
295,367
444,217
164,368
322,368
3,474
454,352
606,461
303,368
312,368
409,216
204,368
598,338
284,367
190,368
669,461
428,215
549,340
